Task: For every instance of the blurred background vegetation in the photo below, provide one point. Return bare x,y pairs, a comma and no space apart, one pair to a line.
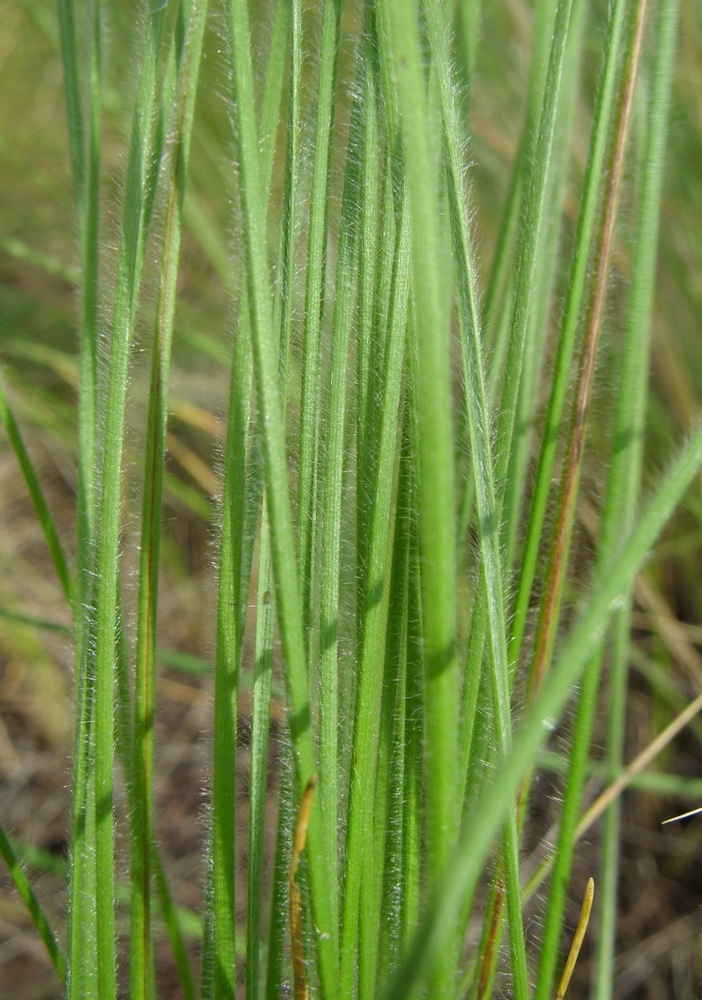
661,885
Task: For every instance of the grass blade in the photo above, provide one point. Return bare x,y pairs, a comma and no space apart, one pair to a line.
362,805
497,296
41,507
33,906
625,479
363,113
141,955
534,214
258,785
314,302
436,489
107,523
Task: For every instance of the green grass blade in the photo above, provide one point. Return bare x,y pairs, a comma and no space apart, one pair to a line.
73,86
436,488
277,931
32,622
41,507
332,485
37,858
413,790
175,927
467,29
281,42
393,758
376,209
141,952
258,784
45,262
90,258
625,478
314,302
33,906
401,898
106,598
499,284
531,227
82,980
218,965
545,280
84,83
372,654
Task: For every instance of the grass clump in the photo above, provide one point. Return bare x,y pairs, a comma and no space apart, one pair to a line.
405,471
